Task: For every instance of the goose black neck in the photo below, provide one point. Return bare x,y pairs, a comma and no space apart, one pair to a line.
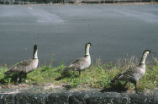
35,56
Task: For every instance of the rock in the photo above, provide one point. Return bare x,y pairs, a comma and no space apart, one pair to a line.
7,99
58,98
28,98
108,98
141,99
156,96
78,98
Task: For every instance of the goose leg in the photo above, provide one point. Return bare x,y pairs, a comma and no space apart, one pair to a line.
135,84
79,72
25,77
73,72
17,78
20,77
125,84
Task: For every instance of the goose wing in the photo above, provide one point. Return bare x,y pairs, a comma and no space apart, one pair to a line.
78,63
125,75
21,66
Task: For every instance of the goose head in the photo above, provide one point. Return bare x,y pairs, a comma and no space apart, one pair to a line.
88,45
146,52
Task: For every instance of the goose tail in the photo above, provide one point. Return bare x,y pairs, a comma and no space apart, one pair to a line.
7,72
116,78
66,69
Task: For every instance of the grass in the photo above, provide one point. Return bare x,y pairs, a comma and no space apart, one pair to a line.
98,75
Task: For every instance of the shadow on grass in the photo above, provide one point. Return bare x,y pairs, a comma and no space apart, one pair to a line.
12,78
67,75
67,87
118,87
8,79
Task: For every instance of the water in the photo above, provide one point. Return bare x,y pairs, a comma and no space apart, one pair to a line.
62,30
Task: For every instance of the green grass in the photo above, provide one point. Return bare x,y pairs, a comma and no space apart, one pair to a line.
98,75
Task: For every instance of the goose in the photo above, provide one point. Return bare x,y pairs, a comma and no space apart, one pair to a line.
22,68
134,74
81,63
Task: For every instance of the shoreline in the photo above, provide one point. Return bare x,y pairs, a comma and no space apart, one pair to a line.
86,2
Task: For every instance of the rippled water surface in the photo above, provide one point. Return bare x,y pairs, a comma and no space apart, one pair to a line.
62,30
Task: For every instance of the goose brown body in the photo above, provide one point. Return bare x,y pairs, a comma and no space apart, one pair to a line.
24,67
81,63
133,74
